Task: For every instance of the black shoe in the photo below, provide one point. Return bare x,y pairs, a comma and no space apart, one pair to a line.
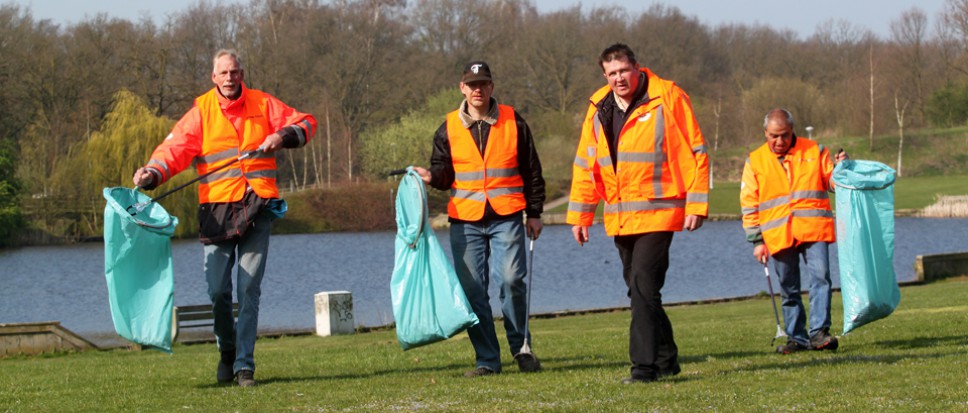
528,362
791,347
224,373
671,372
824,341
639,379
246,378
478,372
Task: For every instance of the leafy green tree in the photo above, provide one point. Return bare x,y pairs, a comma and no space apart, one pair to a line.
948,106
410,140
11,219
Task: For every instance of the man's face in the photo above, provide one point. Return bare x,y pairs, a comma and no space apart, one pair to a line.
622,76
227,76
779,136
478,94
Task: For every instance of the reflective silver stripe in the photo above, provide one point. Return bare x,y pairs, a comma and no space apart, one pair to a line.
747,211
597,127
776,223
699,149
469,176
502,172
303,131
813,213
581,162
496,192
262,173
775,202
261,155
642,157
809,195
605,161
465,194
218,156
696,197
637,206
224,174
591,151
161,165
581,207
751,230
659,138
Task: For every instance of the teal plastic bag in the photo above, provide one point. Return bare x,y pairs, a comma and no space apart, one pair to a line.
137,266
865,241
429,304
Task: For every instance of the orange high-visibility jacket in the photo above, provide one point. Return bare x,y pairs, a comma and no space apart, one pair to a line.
217,130
786,202
492,178
662,170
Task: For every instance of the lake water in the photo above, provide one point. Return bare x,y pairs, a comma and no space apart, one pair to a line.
66,283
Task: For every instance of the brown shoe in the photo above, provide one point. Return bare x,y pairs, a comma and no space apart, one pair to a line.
824,341
246,378
478,372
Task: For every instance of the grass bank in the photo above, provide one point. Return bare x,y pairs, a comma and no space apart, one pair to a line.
913,361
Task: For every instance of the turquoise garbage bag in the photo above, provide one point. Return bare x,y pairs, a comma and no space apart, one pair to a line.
137,266
865,241
429,304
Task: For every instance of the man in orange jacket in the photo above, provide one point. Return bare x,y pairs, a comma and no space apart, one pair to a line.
242,127
786,213
641,151
484,154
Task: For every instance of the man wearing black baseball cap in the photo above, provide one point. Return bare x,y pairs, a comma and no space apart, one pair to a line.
484,154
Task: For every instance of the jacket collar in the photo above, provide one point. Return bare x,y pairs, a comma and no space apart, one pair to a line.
490,118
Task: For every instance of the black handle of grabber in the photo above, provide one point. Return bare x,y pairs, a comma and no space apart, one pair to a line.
207,174
397,172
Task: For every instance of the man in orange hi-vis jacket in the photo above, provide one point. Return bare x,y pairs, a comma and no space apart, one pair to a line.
641,151
484,154
786,213
239,127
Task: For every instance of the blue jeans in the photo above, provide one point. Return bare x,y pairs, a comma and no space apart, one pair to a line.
220,258
816,258
485,251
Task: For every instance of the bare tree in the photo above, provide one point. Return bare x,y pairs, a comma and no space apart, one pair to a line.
899,110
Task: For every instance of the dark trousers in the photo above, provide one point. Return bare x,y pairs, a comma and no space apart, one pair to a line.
645,259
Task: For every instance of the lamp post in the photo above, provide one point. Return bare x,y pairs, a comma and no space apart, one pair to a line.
809,132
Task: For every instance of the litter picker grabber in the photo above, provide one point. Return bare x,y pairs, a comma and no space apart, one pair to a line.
137,208
769,283
525,348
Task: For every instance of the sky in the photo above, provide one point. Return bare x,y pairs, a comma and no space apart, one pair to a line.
801,16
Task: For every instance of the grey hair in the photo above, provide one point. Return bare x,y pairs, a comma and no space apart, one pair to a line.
226,52
778,114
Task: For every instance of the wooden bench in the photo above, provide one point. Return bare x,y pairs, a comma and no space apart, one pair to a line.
194,316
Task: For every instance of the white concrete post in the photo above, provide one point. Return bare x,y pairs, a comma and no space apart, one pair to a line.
334,313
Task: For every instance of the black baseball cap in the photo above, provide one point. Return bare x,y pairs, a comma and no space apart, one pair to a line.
476,71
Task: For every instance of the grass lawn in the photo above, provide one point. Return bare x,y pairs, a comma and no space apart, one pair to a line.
913,361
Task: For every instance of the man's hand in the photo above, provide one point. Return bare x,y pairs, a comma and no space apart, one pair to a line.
533,226
580,232
840,156
761,253
425,176
272,143
142,177
693,222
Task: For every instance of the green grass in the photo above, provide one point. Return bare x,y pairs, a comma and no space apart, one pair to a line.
914,360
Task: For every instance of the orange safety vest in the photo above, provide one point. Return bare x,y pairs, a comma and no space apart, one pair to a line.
222,143
793,204
492,178
662,172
